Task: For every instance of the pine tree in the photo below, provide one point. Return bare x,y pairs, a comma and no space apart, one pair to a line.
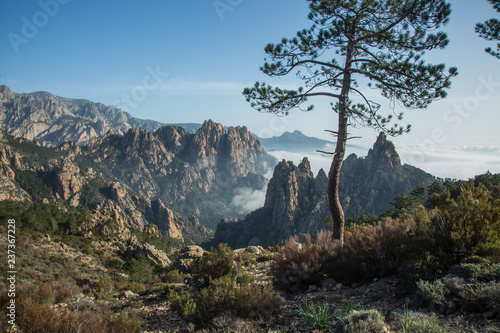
490,30
380,42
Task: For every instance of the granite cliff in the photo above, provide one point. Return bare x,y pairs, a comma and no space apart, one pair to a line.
296,202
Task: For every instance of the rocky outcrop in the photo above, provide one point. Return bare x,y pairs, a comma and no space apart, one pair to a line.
166,219
52,120
69,182
187,256
156,256
297,203
10,189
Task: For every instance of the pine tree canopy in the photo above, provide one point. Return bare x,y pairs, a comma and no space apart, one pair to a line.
384,41
490,30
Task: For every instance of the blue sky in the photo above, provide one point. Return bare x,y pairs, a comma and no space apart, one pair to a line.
187,61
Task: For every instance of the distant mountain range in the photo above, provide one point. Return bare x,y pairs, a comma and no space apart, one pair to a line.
52,120
294,142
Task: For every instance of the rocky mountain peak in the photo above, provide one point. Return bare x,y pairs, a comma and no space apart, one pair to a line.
210,134
5,93
305,166
383,155
174,138
288,208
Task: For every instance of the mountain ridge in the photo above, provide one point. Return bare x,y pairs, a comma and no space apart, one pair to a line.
52,120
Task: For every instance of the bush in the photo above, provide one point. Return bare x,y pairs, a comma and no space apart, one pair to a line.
139,268
225,296
467,226
367,321
36,314
483,298
104,289
296,266
419,323
431,293
175,276
372,251
477,268
213,265
182,304
369,251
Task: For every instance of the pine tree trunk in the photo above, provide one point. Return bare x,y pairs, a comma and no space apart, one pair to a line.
338,158
334,179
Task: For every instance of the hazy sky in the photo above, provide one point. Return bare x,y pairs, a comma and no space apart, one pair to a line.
189,60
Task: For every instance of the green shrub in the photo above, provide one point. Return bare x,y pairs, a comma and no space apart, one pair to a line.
104,289
139,268
134,287
431,293
467,226
420,323
175,276
366,321
483,297
213,265
477,268
225,296
182,304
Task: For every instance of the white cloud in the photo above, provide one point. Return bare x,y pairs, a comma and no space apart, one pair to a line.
460,162
246,200
456,162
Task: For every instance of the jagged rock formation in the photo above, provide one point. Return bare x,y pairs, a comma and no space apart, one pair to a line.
296,202
367,185
192,174
52,120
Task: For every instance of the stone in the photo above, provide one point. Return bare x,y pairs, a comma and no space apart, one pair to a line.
328,283
129,294
187,256
489,314
397,315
